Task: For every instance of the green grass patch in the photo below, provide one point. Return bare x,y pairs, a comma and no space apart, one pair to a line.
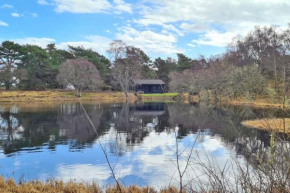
159,95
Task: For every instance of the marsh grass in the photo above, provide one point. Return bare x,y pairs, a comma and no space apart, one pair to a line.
276,125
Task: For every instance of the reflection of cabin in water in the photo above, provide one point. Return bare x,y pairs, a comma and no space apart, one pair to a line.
143,118
149,109
148,86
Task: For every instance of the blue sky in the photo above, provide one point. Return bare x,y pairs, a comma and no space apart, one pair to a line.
159,27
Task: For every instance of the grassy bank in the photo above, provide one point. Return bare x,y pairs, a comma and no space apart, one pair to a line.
275,125
61,95
56,186
258,103
158,96
58,95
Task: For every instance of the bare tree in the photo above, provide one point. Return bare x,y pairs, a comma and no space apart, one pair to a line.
81,74
127,63
117,50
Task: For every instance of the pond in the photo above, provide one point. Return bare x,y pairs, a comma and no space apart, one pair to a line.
56,140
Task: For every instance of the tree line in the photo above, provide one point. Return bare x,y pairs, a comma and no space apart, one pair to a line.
30,67
257,63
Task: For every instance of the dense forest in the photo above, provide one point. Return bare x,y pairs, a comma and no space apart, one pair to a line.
258,63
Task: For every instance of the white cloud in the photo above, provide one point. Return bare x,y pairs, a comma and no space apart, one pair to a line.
42,2
223,19
7,6
83,6
194,27
97,43
214,38
34,15
2,23
92,6
121,6
171,27
149,41
212,11
191,45
42,42
15,14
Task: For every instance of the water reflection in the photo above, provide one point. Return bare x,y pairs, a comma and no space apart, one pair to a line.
58,142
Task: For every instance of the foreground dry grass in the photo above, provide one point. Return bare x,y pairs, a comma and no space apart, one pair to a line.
55,186
59,95
276,125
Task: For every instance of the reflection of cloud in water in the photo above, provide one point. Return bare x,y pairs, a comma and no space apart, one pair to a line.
81,172
211,144
17,163
89,172
2,155
154,160
151,161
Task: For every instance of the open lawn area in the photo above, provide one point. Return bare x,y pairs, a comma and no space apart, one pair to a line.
159,95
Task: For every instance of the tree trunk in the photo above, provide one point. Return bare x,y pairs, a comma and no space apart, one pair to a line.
127,94
78,93
7,85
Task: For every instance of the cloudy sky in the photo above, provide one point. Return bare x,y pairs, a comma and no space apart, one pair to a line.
159,27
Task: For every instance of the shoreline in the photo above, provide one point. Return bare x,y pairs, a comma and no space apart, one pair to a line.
110,96
62,96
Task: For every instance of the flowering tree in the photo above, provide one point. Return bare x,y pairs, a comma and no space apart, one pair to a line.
81,74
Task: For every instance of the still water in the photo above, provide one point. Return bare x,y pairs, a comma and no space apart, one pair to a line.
49,140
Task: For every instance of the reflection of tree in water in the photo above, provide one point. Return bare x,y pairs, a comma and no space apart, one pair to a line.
10,130
133,122
73,124
224,121
68,125
33,128
122,126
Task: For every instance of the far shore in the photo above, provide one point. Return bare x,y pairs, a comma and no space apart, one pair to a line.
111,96
64,95
61,95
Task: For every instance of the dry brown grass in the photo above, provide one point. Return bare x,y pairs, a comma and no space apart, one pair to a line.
59,95
276,125
56,186
53,186
257,103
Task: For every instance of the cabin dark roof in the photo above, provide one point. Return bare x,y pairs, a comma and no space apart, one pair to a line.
148,81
